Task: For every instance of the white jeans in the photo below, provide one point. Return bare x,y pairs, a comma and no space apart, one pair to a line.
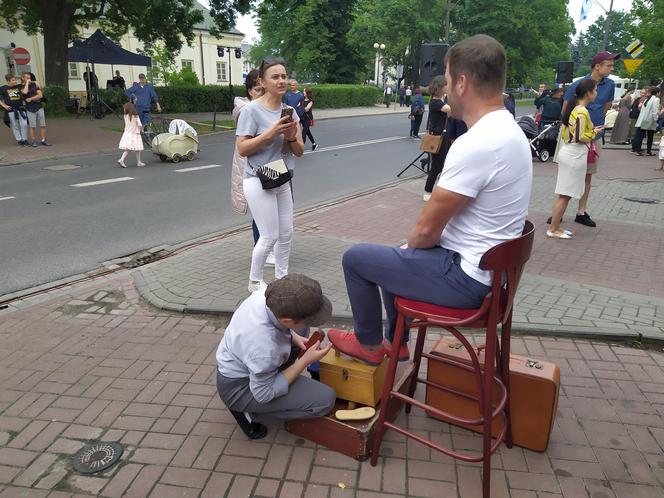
273,212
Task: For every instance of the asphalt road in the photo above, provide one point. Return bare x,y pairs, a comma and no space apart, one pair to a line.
50,229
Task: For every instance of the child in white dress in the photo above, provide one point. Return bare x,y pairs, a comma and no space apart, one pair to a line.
131,138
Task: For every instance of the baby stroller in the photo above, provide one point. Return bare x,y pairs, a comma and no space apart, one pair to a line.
180,142
542,141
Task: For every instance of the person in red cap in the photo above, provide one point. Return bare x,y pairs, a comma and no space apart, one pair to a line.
602,67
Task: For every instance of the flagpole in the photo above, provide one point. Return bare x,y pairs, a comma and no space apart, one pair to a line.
607,25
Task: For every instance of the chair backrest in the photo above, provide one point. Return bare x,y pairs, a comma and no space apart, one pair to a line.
507,261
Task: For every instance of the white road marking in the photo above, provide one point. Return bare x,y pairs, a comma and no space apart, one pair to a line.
103,182
356,144
197,168
7,198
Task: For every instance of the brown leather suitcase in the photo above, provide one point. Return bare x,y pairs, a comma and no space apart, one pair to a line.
534,390
353,439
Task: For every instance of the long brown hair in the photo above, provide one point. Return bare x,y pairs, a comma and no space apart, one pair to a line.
309,93
130,109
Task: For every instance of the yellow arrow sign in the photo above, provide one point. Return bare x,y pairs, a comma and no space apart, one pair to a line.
632,65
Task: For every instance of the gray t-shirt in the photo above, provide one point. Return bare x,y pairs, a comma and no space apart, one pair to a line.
254,120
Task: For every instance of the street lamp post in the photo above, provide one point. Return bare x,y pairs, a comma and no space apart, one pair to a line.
379,47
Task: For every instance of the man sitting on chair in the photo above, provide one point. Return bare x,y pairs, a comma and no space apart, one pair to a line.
481,200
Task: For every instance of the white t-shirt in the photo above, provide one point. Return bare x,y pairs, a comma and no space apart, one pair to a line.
409,92
491,163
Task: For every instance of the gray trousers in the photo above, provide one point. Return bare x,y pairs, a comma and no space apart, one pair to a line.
306,398
19,124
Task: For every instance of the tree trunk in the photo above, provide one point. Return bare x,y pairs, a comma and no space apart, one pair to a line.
57,19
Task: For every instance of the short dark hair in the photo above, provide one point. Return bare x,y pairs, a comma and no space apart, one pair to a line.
654,90
482,60
585,86
9,76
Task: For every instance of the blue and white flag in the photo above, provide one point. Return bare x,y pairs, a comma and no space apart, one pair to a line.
586,5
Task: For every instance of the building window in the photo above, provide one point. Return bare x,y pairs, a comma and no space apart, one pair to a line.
221,71
73,71
187,63
247,66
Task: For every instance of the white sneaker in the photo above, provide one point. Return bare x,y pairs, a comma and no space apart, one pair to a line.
257,286
270,261
426,196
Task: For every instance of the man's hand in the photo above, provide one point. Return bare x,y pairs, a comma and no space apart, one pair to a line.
5,107
435,214
158,107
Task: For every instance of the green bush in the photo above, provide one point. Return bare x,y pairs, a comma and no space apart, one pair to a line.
338,96
197,98
57,98
114,97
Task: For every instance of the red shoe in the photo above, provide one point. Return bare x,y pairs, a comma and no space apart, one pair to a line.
347,343
404,353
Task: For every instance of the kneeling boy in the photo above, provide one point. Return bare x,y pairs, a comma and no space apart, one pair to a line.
258,372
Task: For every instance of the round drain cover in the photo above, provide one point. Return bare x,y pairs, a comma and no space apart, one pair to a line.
96,457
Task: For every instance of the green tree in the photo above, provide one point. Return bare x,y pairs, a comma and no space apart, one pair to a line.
650,15
311,35
591,41
536,34
168,21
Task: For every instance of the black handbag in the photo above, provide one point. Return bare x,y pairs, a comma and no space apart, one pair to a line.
271,178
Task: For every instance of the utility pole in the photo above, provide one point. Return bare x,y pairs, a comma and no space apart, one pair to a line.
607,25
449,5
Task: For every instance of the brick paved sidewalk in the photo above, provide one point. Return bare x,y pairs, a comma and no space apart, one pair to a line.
98,364
607,281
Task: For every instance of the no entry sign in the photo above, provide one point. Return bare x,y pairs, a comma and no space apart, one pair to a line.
21,56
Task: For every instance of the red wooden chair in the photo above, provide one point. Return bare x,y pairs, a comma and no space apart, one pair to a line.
507,261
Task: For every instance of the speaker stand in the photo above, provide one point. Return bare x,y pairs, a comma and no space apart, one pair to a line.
423,165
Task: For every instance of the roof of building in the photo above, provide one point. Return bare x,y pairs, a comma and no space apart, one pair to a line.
208,23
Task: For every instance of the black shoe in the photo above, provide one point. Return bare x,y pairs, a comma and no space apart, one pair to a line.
314,145
585,219
253,430
548,220
46,144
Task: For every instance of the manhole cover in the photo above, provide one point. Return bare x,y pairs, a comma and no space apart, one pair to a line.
62,167
96,457
642,200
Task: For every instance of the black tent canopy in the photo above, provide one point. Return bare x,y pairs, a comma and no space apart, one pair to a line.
99,49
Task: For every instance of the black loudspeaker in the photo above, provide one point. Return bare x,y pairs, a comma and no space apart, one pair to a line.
432,61
564,72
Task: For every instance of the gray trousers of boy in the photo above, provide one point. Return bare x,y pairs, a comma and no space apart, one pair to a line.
19,125
306,398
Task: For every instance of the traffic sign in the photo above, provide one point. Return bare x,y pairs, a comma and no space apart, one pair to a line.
632,65
635,48
21,56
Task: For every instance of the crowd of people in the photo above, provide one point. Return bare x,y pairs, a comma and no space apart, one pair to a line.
473,208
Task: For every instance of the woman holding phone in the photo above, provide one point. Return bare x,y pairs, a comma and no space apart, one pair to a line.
578,134
268,135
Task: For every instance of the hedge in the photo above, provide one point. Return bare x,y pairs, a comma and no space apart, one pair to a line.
207,98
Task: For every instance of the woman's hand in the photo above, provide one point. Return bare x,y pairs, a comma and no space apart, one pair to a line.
598,129
280,127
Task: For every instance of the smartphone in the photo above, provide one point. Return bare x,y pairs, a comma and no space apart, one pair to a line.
316,336
287,112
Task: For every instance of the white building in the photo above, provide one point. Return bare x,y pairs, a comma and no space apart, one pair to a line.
201,57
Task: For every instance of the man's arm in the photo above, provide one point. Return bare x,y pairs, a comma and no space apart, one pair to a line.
437,212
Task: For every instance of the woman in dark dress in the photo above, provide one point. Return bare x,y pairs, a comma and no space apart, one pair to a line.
436,126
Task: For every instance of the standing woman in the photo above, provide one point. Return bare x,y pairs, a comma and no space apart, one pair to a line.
308,118
417,112
269,142
578,134
620,132
647,123
437,121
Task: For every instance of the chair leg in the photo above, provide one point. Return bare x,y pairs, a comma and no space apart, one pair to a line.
487,408
505,340
379,431
417,360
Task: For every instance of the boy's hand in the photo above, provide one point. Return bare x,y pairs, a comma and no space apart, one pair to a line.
299,341
315,353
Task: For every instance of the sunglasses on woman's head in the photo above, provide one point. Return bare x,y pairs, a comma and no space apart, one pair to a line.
273,60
